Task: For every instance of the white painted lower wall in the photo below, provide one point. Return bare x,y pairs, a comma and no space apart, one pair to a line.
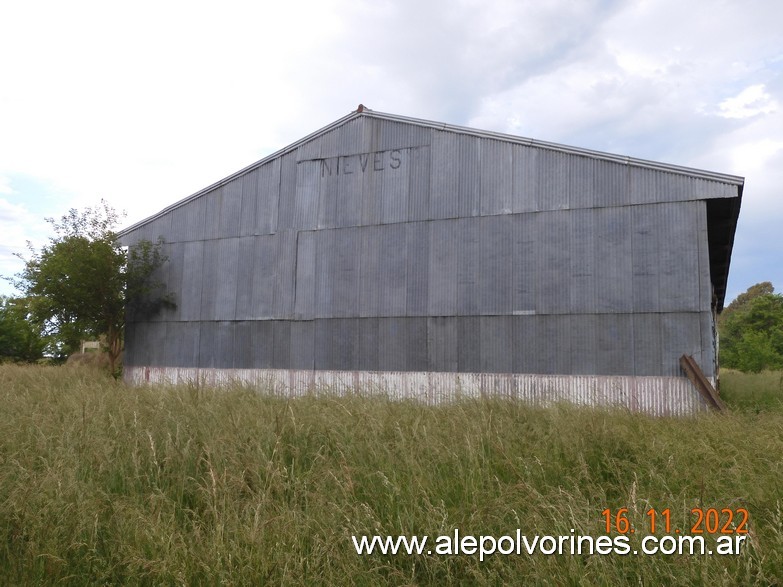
658,396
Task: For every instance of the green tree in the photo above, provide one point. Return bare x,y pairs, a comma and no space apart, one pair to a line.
752,334
20,337
81,283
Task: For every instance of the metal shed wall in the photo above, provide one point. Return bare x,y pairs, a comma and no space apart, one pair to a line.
381,245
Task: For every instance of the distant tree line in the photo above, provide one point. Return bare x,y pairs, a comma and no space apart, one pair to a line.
751,330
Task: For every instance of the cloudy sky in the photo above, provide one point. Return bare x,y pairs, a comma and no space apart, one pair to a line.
145,103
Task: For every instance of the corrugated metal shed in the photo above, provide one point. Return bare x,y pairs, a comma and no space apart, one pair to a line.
389,244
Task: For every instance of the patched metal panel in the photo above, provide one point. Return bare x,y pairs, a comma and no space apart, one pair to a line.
213,202
468,279
554,336
227,272
495,268
192,281
175,252
614,350
417,246
679,256
262,338
553,263
286,273
329,214
188,221
304,306
647,262
444,179
525,184
442,344
584,344
469,177
244,279
281,349
268,196
302,345
468,347
210,284
265,276
392,269
524,232
681,333
350,182
496,344
647,344
394,135
216,345
614,260
308,185
369,253
249,208
231,209
402,343
553,176
155,340
337,343
702,237
585,262
444,263
287,199
243,344
346,278
368,344
497,167
394,186
612,184
419,189
181,348
583,183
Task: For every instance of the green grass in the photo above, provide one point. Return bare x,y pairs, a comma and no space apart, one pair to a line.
105,484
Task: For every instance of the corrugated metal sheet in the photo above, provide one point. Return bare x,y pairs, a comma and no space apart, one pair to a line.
386,245
656,396
497,173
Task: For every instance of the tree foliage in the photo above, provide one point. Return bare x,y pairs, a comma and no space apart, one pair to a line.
20,337
80,283
752,332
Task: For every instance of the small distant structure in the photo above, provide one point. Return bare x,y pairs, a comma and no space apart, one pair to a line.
90,345
434,261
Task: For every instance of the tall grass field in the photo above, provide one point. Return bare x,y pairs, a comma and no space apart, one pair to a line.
101,483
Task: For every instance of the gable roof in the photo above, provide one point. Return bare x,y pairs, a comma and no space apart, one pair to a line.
722,213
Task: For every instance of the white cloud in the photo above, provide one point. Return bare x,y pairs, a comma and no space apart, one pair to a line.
751,101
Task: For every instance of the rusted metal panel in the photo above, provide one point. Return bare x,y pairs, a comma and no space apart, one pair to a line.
657,396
